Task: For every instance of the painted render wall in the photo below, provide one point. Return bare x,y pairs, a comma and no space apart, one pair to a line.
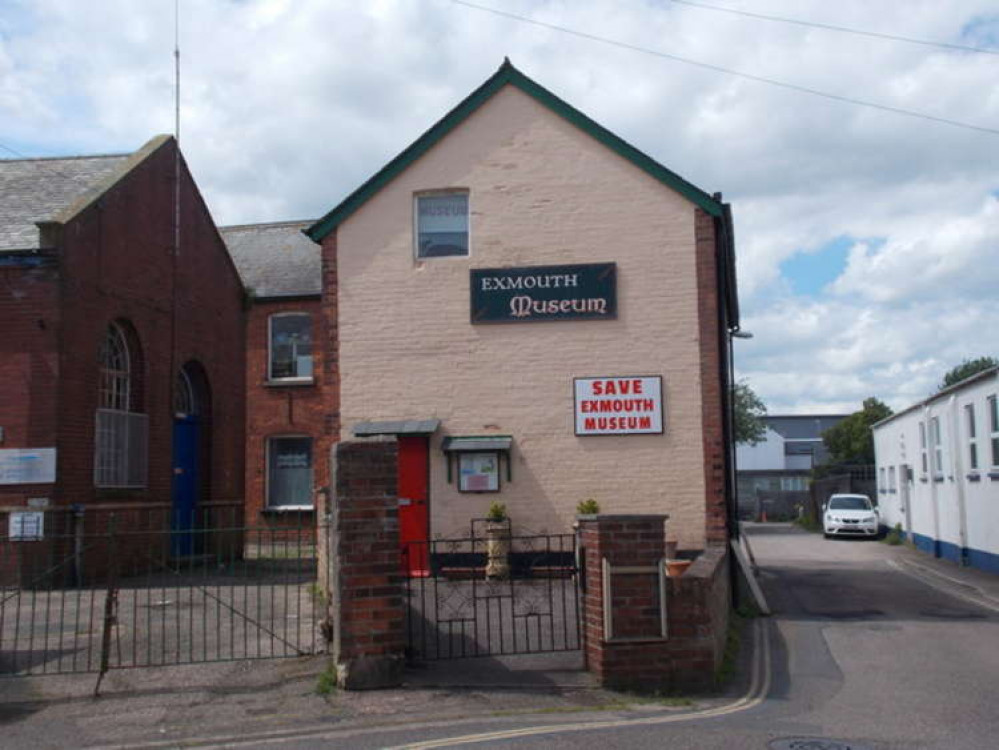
929,507
541,193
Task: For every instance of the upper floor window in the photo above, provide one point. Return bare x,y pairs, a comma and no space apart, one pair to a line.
994,428
290,347
442,224
922,446
969,416
937,441
121,431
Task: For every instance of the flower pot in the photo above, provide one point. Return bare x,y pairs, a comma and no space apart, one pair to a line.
676,568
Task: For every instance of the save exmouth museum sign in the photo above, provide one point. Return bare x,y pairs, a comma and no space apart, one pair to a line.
538,293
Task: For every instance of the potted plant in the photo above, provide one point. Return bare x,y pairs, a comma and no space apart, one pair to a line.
497,543
588,507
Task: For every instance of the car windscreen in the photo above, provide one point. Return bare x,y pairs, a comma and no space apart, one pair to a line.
849,503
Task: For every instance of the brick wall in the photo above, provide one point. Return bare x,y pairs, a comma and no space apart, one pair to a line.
634,655
712,363
365,583
116,261
29,366
275,410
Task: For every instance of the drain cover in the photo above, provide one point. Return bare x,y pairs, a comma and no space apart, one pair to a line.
814,743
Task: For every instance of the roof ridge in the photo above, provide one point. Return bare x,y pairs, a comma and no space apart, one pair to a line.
77,157
287,223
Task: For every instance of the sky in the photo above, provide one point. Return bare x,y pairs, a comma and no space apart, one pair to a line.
867,240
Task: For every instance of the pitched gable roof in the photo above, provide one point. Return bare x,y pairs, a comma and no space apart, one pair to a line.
509,75
275,260
34,191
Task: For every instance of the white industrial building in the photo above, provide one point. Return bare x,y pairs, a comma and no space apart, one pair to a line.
938,472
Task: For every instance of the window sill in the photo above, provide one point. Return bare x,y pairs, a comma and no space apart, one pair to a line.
292,382
288,509
938,479
111,493
994,475
973,477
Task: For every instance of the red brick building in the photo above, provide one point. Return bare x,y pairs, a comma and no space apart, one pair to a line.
121,346
291,396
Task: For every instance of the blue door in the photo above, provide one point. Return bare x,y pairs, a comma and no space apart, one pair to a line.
185,484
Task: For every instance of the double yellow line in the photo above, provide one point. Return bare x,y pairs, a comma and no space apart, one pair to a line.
759,687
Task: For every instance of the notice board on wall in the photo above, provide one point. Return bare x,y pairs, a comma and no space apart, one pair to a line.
27,465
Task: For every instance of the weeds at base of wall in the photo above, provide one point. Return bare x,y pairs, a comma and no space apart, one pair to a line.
326,683
317,594
809,524
741,617
894,537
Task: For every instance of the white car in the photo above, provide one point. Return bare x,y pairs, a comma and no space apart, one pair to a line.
846,515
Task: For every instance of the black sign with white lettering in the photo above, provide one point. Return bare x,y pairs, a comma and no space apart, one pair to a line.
529,295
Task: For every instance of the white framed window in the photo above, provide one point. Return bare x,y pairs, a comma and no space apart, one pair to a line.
994,429
289,353
922,447
441,224
882,485
892,487
969,420
937,443
121,435
289,473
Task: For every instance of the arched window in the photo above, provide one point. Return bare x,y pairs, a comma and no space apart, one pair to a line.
121,435
184,402
115,370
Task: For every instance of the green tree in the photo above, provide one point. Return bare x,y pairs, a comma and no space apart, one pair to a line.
966,369
851,441
749,427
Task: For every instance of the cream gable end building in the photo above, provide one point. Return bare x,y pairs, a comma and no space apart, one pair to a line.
515,281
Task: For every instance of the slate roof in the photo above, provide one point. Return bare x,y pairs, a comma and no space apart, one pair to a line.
803,426
33,190
275,260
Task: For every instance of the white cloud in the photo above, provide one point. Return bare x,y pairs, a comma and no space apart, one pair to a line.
288,106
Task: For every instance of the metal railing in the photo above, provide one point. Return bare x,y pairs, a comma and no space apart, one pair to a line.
105,591
462,601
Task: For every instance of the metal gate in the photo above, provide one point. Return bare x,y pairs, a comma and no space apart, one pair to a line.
105,593
466,605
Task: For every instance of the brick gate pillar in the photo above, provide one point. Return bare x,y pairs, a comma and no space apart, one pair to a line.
623,605
632,642
364,583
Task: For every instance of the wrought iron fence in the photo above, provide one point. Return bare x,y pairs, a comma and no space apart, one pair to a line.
104,591
463,602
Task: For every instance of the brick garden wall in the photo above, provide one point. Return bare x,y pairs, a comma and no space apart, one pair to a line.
634,655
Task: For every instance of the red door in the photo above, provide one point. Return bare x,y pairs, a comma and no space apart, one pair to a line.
414,519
